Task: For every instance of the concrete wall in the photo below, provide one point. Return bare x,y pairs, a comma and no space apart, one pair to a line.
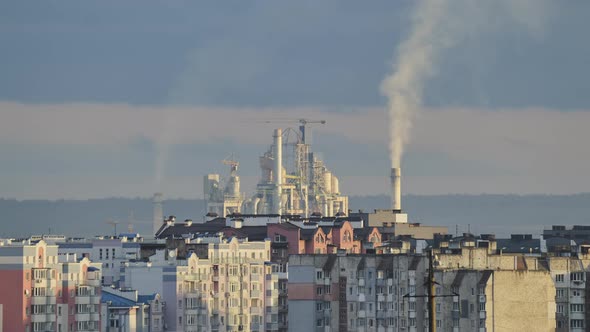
521,301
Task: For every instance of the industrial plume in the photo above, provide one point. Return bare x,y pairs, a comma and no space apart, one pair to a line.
413,65
436,26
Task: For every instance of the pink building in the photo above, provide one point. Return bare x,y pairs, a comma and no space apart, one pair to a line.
40,293
324,239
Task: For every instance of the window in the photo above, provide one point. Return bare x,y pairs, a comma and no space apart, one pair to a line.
576,307
319,322
482,306
319,275
559,278
560,292
579,323
559,309
576,292
577,276
318,306
319,290
319,239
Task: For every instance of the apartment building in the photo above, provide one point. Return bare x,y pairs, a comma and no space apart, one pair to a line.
571,277
40,292
109,251
475,291
236,288
355,292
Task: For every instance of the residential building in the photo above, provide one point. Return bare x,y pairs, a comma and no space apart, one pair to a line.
125,310
40,292
235,288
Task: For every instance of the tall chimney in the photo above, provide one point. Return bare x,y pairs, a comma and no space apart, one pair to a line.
278,169
158,212
396,191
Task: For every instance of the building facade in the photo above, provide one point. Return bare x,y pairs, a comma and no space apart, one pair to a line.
40,292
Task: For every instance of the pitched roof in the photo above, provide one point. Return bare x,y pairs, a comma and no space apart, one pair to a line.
307,233
146,298
180,229
253,233
116,300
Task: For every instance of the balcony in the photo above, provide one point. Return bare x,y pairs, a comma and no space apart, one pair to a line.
482,315
361,281
255,311
83,299
255,293
40,318
272,326
380,298
82,316
361,314
40,300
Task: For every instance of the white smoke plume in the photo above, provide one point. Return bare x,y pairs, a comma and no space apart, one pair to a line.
438,25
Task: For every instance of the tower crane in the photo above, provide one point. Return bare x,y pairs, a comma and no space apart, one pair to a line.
233,164
302,125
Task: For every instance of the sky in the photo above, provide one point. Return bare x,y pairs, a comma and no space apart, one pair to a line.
126,98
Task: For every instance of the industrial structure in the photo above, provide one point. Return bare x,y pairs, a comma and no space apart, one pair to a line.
223,199
158,212
293,181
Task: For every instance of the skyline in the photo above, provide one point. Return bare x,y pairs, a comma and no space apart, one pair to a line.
92,95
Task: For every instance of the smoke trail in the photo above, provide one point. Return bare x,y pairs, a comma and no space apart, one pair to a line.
436,26
413,65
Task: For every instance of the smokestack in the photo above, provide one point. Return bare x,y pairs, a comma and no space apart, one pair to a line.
396,189
278,169
158,212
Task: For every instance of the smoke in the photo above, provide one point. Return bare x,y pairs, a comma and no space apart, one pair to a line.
436,26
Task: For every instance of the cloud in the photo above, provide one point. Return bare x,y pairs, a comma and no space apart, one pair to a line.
454,150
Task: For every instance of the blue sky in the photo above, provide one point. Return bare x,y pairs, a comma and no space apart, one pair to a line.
130,66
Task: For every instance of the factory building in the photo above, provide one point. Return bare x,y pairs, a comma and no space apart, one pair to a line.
294,181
